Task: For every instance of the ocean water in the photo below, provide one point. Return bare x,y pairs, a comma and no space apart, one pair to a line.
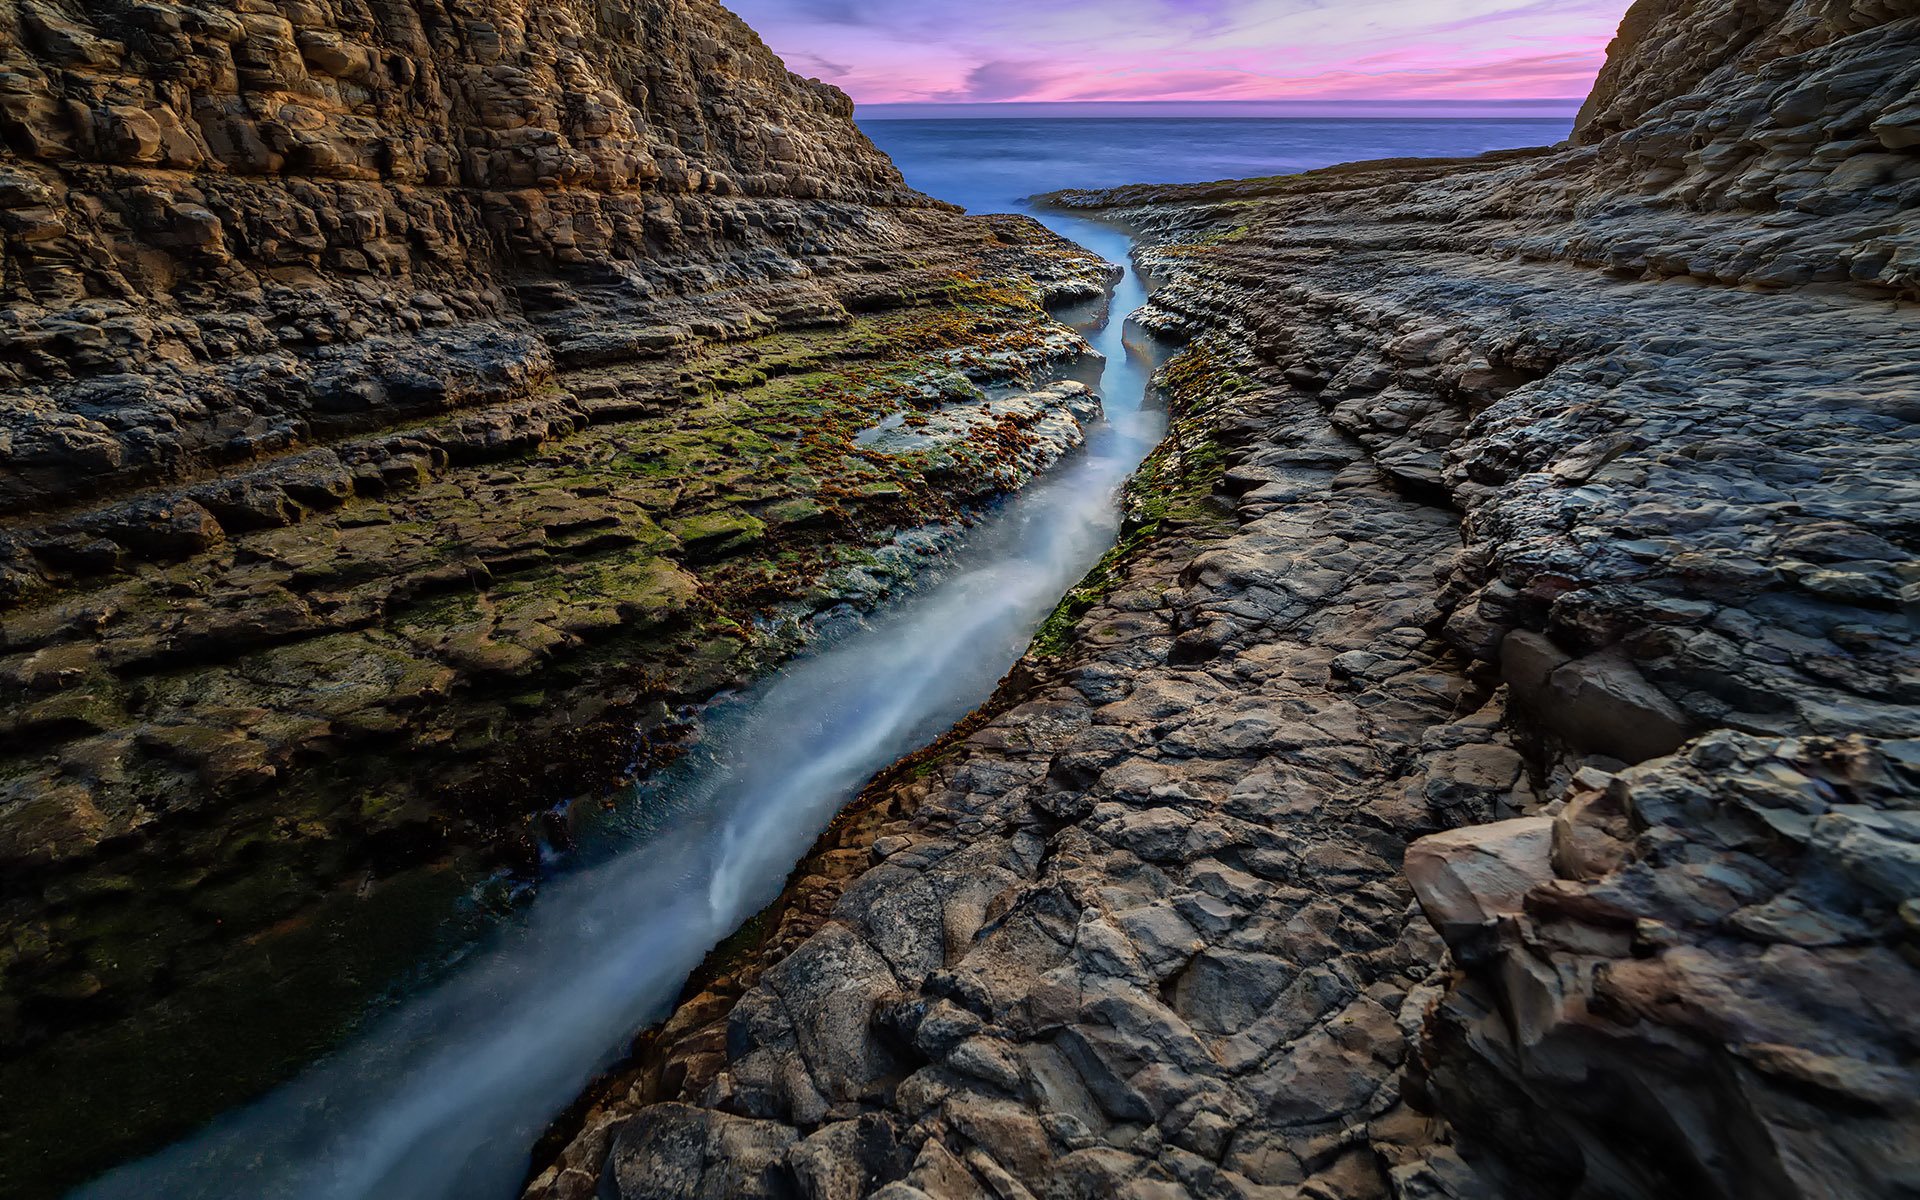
440,1096
992,165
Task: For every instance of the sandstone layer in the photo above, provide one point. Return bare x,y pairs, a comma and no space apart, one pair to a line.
1488,766
400,404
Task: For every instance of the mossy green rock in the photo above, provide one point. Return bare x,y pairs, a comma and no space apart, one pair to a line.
714,536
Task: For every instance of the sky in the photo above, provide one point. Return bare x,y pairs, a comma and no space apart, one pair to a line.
955,51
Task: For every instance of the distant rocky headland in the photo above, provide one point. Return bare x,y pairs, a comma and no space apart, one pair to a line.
1488,764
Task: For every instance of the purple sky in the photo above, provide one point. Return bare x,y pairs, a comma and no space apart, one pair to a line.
889,51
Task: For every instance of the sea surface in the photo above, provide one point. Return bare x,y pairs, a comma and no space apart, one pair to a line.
439,1092
992,165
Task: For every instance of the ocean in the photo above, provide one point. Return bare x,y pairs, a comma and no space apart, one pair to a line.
993,164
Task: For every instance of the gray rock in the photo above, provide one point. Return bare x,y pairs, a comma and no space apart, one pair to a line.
676,1152
1603,704
1631,414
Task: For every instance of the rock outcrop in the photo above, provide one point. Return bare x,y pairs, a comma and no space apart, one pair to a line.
1554,507
399,404
1701,984
201,198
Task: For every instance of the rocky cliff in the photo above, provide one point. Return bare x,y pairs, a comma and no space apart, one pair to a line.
198,195
1487,767
399,404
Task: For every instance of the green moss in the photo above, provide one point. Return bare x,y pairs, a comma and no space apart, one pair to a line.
92,707
1213,238
1175,483
930,763
739,947
444,611
716,535
800,510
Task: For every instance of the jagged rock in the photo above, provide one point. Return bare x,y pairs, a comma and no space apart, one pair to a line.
1739,964
1467,878
674,1152
1600,703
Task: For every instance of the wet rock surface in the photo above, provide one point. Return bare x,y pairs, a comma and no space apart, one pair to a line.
402,406
1486,766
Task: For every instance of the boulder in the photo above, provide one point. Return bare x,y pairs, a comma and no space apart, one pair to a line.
1467,878
678,1152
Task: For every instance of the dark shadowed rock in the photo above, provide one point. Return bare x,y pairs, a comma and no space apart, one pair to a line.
674,1152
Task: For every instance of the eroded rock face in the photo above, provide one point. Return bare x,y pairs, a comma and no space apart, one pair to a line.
399,405
1552,507
1717,953
200,198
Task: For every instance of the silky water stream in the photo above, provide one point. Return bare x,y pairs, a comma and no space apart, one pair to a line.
442,1097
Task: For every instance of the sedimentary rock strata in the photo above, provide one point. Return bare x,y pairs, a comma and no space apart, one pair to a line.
1553,507
399,404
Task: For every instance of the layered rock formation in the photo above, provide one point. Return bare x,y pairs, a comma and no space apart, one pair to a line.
1554,507
401,403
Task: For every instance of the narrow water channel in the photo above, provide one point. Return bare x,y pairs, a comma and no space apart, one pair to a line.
442,1098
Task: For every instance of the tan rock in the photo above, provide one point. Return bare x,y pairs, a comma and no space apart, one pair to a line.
1467,878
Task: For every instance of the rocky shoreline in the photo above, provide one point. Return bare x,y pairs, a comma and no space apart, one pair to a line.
1501,780
1486,766
1012,830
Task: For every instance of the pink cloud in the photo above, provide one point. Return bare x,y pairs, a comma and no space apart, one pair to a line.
1527,76
1061,50
1004,79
